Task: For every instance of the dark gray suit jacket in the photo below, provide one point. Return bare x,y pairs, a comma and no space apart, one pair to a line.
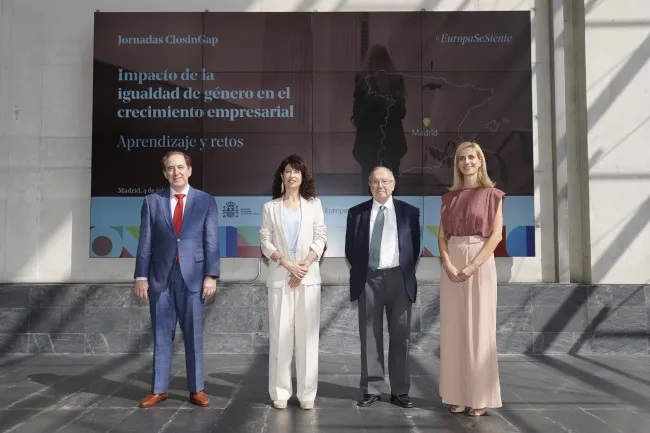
357,241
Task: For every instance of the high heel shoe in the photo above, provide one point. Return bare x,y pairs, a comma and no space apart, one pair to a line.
477,412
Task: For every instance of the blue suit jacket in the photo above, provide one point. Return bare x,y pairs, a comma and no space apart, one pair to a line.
197,245
357,245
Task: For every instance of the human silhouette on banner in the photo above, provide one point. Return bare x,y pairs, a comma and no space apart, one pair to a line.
377,113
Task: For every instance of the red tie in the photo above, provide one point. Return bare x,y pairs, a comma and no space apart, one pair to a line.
178,213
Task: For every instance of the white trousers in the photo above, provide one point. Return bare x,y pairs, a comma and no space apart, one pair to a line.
294,312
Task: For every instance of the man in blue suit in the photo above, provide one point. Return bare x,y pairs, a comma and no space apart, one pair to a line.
176,269
382,244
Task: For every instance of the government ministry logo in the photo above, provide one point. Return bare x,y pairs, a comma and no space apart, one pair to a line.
230,210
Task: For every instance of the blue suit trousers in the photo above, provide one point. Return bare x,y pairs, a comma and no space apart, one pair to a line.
177,304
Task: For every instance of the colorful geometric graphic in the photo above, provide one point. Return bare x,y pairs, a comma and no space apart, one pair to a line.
115,226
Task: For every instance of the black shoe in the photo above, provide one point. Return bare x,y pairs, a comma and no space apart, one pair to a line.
368,400
402,400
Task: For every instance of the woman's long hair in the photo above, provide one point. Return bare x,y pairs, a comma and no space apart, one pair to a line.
378,69
483,178
307,190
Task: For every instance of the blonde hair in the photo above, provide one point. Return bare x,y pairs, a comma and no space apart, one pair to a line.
483,178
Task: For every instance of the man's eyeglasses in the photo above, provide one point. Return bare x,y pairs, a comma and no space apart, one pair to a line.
380,182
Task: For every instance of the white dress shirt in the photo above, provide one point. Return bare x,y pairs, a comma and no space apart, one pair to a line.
389,253
173,200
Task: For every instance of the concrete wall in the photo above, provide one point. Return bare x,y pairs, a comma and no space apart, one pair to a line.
531,318
45,136
617,41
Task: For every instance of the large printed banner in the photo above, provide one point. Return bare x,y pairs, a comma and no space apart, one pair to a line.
239,92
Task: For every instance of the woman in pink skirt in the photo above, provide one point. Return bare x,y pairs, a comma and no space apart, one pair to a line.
471,220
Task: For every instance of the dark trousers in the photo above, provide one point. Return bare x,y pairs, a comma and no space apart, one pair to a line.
384,290
177,303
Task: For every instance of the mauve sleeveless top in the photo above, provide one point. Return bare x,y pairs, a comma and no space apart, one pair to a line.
470,211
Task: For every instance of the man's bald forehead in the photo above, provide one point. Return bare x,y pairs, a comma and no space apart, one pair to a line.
386,170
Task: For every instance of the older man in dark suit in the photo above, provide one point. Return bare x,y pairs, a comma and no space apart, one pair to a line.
382,244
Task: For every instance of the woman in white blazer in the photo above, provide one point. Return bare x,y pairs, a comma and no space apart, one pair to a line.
293,237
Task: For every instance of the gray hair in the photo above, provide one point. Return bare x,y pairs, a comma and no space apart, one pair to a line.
385,168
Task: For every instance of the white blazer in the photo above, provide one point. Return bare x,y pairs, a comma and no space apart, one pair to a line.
312,235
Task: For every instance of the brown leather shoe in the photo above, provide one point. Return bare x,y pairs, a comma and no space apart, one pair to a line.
153,399
199,398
